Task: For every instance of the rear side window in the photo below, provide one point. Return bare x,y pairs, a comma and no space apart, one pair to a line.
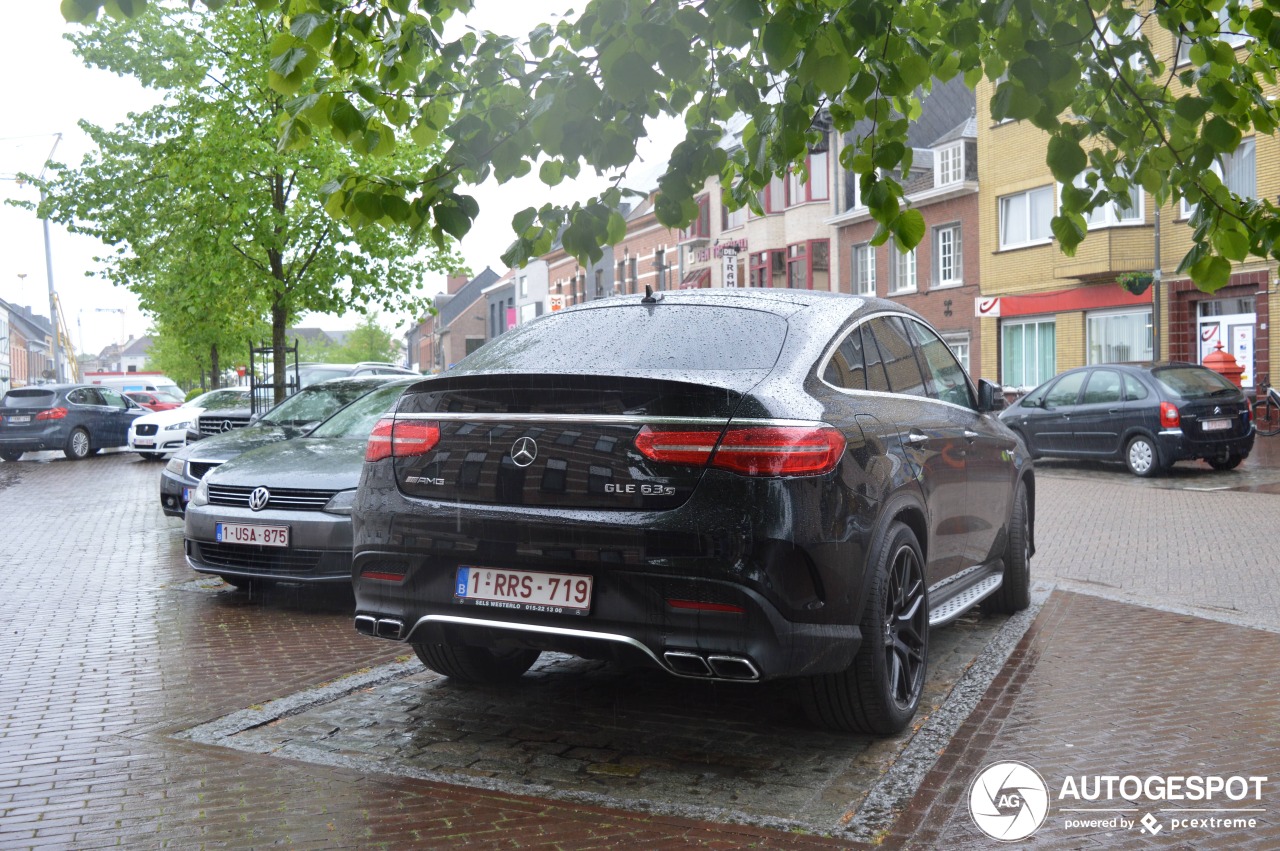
641,337
899,354
848,365
1193,382
24,398
1134,389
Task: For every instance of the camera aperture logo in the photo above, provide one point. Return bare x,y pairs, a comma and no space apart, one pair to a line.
1008,801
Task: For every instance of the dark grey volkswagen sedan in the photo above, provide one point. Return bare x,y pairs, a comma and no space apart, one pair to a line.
729,484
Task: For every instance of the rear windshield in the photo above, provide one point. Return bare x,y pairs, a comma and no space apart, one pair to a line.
34,398
638,337
1194,382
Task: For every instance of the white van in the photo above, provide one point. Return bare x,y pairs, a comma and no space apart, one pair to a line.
154,382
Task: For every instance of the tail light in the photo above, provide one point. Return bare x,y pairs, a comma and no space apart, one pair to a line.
52,414
753,451
401,439
1169,416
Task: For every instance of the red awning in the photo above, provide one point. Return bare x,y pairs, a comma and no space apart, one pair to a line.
696,280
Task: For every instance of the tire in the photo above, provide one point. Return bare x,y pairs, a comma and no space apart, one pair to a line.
1014,593
1266,418
79,445
880,692
10,454
1229,463
1143,457
476,664
241,583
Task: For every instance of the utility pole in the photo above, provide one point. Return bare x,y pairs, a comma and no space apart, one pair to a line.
48,269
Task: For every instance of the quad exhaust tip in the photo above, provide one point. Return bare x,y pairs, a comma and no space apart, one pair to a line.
379,627
717,667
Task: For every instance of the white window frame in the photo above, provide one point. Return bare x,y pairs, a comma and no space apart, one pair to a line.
1043,371
1110,215
904,273
864,269
948,164
1222,167
957,256
1004,201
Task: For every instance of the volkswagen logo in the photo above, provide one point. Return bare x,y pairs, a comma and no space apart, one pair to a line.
226,425
523,451
259,498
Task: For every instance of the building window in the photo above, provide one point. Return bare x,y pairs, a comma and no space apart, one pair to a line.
1237,171
1120,337
809,265
730,219
635,275
700,228
948,165
801,190
958,342
864,269
769,268
1029,349
1112,213
798,267
524,286
1024,217
904,272
948,257
773,198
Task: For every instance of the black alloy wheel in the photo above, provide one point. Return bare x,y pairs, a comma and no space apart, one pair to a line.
880,691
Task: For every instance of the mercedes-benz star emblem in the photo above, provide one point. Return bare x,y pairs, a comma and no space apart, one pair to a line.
259,498
226,425
523,451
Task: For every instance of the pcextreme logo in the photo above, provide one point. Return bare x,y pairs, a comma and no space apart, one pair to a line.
1008,801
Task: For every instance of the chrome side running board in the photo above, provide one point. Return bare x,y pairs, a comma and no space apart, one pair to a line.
965,600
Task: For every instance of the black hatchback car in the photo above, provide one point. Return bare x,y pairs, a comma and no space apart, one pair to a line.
79,419
1149,416
733,484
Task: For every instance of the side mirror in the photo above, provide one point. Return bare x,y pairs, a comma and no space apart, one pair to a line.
990,397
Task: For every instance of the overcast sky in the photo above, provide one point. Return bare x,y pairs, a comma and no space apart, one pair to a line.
48,90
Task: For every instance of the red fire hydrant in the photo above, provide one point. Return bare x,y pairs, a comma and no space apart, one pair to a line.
1221,362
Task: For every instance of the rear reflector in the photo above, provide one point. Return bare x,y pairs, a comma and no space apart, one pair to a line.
52,414
401,438
384,575
694,605
751,451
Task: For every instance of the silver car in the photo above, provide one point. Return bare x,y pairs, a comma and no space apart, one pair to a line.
282,512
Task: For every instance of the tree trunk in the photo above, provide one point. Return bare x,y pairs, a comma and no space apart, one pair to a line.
215,371
279,357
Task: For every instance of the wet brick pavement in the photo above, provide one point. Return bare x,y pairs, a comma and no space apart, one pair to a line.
115,648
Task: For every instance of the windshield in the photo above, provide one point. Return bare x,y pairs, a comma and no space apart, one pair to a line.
314,375
1193,382
359,418
315,403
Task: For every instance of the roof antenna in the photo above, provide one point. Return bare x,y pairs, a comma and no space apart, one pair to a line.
649,297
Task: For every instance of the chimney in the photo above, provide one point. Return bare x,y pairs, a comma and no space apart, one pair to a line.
456,282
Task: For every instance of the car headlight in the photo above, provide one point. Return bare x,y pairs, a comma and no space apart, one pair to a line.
342,502
201,496
176,466
177,427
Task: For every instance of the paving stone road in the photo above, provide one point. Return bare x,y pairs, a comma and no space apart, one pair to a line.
118,656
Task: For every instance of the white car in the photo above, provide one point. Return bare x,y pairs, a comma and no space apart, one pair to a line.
155,434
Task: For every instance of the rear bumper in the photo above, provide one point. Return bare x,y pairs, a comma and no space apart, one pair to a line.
783,579
1175,445
34,440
